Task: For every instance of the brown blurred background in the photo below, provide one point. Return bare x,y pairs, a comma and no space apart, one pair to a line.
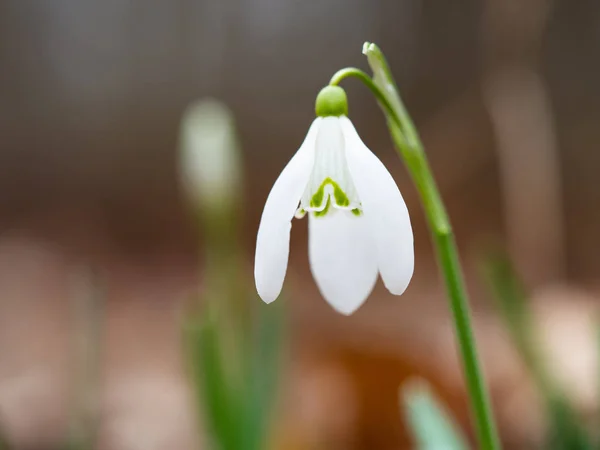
505,94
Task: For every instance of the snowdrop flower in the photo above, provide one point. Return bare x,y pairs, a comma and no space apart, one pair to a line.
210,162
358,221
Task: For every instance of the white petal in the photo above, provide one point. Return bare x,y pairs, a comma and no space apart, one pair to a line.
385,211
342,258
273,239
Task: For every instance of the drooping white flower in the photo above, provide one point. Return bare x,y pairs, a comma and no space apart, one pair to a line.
359,226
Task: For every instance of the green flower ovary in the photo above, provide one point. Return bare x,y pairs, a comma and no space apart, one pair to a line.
341,199
331,101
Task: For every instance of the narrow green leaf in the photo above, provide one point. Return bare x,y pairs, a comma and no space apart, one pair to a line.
431,426
213,394
3,442
598,369
565,430
264,367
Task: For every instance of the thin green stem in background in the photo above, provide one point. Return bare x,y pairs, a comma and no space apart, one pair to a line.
3,442
565,432
410,149
233,351
88,309
597,369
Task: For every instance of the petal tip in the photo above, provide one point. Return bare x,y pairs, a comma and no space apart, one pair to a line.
268,300
398,287
267,295
345,311
346,306
394,290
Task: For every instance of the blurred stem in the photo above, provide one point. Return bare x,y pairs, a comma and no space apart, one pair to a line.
3,442
263,367
565,431
219,331
88,309
234,358
225,285
598,369
410,149
512,304
213,389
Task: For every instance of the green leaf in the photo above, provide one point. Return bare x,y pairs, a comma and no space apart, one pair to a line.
3,442
565,430
430,424
263,372
598,367
213,392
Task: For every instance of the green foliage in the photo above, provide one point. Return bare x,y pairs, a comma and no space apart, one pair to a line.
212,386
236,406
432,428
565,429
263,371
233,358
3,442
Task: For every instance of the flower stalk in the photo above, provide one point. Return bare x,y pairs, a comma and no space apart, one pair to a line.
233,352
409,147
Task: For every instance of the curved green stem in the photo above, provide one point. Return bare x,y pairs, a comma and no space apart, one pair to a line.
339,76
410,149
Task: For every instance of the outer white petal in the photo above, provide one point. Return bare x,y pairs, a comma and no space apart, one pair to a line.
342,258
273,239
384,209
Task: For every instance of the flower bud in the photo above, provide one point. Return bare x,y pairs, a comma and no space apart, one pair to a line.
209,155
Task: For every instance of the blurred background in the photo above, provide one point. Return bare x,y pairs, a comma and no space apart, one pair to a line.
506,98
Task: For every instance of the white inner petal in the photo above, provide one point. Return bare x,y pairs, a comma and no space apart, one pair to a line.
330,183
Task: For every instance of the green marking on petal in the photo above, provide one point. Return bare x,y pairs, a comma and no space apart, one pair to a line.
341,199
317,198
322,213
357,212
